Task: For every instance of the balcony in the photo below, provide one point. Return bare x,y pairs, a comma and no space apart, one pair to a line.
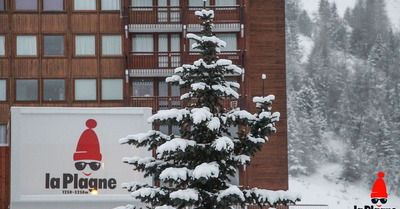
171,60
172,19
164,103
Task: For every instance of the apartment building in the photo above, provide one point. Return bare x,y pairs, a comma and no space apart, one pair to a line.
116,53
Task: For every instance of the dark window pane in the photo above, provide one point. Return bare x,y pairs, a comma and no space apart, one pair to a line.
142,87
53,5
53,90
26,4
53,45
1,5
27,90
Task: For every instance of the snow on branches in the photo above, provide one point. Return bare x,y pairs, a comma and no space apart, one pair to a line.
193,169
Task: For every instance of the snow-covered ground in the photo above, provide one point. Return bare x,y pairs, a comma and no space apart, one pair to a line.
323,187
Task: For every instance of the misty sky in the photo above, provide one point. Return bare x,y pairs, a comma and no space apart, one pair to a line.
393,8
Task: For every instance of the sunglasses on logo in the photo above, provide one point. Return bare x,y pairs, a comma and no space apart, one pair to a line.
93,165
376,200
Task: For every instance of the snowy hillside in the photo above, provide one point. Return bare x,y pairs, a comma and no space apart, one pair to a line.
323,187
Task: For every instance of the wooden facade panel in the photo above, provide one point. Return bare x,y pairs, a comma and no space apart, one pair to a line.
84,67
5,177
5,112
25,23
112,104
266,54
26,68
4,23
111,23
54,68
54,23
112,67
4,68
84,23
84,104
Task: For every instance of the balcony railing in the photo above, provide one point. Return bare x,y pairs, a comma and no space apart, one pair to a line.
181,15
164,103
168,60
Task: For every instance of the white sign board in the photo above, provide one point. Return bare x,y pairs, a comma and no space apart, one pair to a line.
60,155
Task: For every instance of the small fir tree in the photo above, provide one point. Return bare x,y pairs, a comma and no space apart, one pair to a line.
194,168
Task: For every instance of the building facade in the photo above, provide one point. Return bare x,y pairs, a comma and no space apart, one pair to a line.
116,53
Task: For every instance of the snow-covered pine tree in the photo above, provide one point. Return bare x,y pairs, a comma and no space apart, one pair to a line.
193,169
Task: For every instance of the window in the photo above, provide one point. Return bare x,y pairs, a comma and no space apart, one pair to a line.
142,87
110,4
85,45
143,43
85,89
84,4
26,4
53,45
3,135
27,90
112,89
2,45
198,3
111,45
1,5
26,45
3,90
230,39
142,3
225,2
53,5
53,90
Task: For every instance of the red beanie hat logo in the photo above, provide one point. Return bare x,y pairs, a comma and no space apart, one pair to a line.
88,147
379,189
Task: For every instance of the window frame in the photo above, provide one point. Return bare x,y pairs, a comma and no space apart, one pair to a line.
25,101
27,10
16,45
111,55
54,34
7,144
6,92
5,45
50,11
54,101
87,11
101,89
86,100
85,55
